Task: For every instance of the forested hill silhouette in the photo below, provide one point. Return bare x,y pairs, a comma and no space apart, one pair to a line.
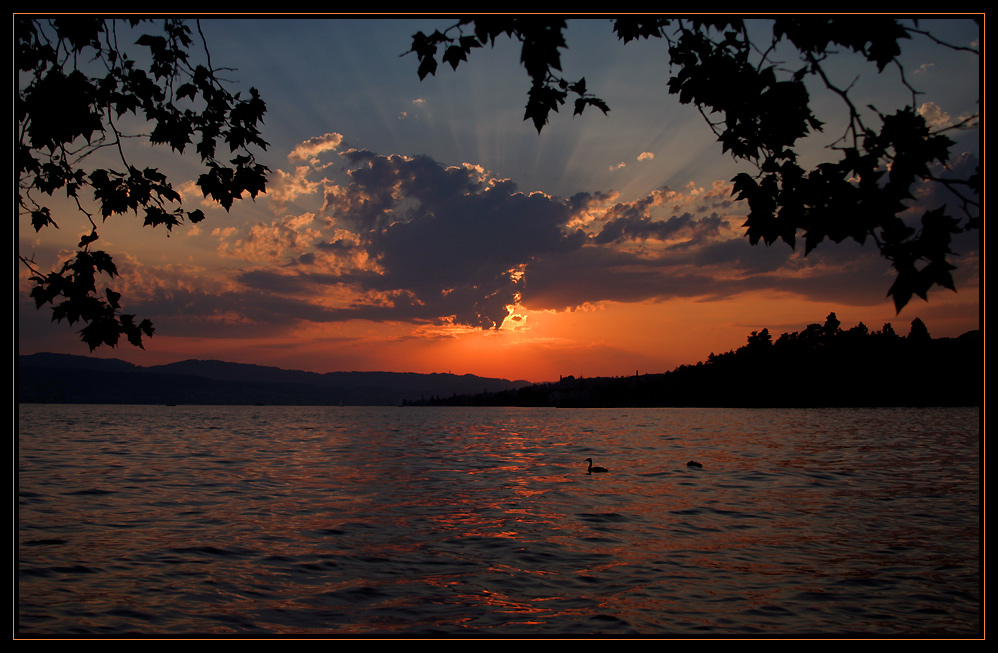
821,366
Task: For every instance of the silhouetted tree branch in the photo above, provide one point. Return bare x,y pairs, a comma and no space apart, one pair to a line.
77,88
759,109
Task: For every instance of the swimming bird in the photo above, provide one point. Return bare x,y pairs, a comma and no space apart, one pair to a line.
693,463
595,469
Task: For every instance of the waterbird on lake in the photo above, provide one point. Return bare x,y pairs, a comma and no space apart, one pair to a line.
693,463
595,469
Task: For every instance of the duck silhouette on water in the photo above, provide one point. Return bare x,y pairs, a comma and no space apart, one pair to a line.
693,463
595,469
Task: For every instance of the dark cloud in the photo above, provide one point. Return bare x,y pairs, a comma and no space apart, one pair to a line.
737,254
449,236
593,274
246,313
468,237
409,239
466,246
641,226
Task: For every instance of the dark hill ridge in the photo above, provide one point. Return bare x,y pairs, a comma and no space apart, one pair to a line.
63,378
822,366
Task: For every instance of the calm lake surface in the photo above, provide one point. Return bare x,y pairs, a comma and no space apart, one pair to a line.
484,522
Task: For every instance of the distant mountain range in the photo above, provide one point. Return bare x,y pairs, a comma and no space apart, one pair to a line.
64,378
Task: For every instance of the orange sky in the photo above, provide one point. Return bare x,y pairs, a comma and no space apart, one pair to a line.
403,218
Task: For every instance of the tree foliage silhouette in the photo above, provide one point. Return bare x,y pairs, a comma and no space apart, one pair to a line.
77,89
760,108
822,365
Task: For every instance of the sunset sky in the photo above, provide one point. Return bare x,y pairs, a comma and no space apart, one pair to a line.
424,226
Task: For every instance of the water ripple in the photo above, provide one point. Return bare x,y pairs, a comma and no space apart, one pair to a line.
256,520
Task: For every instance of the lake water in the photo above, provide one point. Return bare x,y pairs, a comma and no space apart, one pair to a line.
484,522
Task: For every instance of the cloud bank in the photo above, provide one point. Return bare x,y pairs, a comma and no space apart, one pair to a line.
358,235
